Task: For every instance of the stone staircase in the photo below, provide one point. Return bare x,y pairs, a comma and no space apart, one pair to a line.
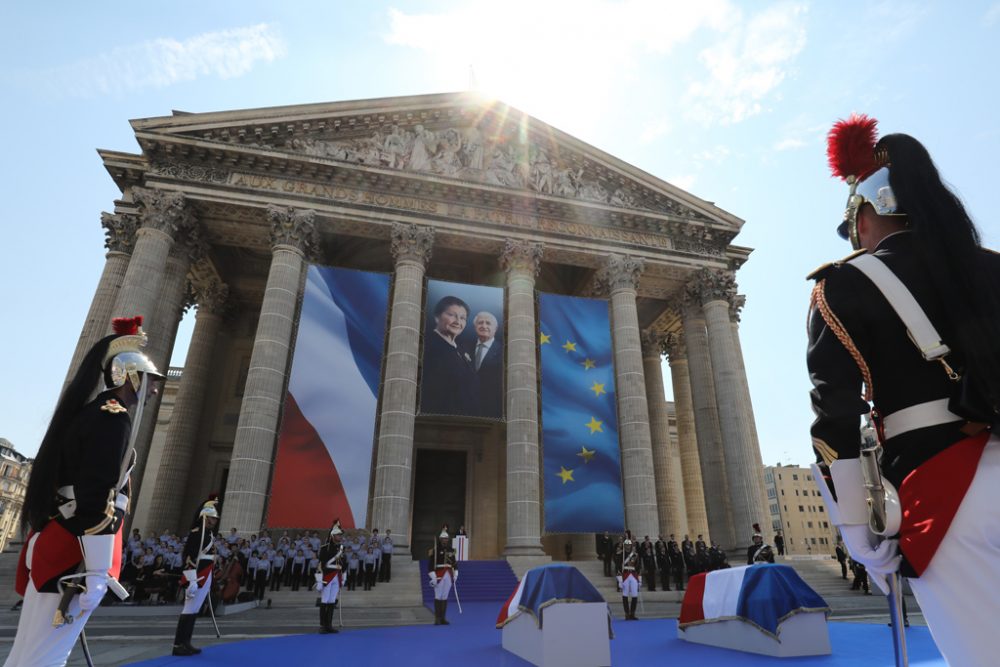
402,591
478,581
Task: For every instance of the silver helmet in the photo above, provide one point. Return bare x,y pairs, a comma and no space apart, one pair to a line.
125,359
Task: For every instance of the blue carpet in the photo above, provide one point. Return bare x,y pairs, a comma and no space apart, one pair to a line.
478,581
471,639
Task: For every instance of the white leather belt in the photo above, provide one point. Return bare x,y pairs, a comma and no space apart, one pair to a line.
922,415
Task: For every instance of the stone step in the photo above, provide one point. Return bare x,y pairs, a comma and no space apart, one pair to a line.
402,591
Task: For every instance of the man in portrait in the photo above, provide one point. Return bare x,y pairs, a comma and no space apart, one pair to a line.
488,361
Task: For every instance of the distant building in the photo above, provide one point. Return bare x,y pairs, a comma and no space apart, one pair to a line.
14,471
797,510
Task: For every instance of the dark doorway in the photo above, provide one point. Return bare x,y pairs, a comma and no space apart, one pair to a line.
438,496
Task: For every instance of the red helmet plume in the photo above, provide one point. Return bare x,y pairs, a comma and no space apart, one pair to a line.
126,326
850,147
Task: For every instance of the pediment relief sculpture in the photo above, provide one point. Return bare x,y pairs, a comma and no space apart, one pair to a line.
471,154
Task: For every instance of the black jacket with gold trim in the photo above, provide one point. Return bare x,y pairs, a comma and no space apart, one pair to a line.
848,310
91,462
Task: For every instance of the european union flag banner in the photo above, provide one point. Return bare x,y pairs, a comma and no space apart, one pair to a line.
581,460
323,465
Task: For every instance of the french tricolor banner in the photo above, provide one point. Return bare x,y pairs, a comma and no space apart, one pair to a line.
322,468
763,595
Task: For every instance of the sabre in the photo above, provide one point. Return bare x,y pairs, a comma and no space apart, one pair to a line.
880,498
454,584
211,611
85,648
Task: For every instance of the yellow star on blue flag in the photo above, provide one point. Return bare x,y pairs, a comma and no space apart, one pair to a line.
569,347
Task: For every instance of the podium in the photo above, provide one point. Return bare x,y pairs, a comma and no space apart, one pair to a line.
461,546
556,618
765,609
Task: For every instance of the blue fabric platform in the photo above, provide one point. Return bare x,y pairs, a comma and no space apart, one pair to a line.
472,639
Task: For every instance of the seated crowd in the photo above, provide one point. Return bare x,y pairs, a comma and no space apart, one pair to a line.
248,567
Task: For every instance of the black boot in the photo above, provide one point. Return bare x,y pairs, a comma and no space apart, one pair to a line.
182,638
437,612
625,604
635,601
444,612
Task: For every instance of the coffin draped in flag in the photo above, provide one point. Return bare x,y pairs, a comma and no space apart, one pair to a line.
544,586
581,461
323,464
763,595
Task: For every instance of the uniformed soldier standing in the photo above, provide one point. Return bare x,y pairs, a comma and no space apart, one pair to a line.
629,579
758,552
199,560
676,563
443,573
330,578
77,497
911,322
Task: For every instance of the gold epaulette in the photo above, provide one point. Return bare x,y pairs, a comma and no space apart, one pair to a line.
840,262
112,406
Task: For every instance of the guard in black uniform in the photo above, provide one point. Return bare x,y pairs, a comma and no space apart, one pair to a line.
199,561
758,552
330,577
77,497
629,579
910,323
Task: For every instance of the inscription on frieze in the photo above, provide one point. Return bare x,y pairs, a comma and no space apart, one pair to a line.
492,216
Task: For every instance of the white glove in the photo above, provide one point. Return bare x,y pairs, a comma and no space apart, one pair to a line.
850,514
97,586
191,591
878,555
319,578
432,578
619,580
454,575
319,587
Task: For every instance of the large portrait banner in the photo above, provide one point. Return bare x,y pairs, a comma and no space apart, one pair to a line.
322,468
463,363
581,459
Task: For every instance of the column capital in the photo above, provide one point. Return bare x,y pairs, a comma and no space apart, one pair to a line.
190,244
620,272
162,210
211,295
412,242
521,256
736,304
711,285
294,227
674,346
119,231
652,343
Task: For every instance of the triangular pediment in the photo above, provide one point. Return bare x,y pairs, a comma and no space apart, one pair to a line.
459,136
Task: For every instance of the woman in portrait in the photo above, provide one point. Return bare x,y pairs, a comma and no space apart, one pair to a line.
449,385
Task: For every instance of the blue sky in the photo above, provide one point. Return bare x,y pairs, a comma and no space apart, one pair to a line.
728,100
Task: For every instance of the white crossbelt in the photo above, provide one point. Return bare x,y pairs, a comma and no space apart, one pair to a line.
923,333
922,415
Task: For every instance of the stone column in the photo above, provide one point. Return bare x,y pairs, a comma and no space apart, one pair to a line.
744,467
162,215
391,498
119,232
293,236
180,444
666,471
620,278
687,440
166,313
706,419
521,260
